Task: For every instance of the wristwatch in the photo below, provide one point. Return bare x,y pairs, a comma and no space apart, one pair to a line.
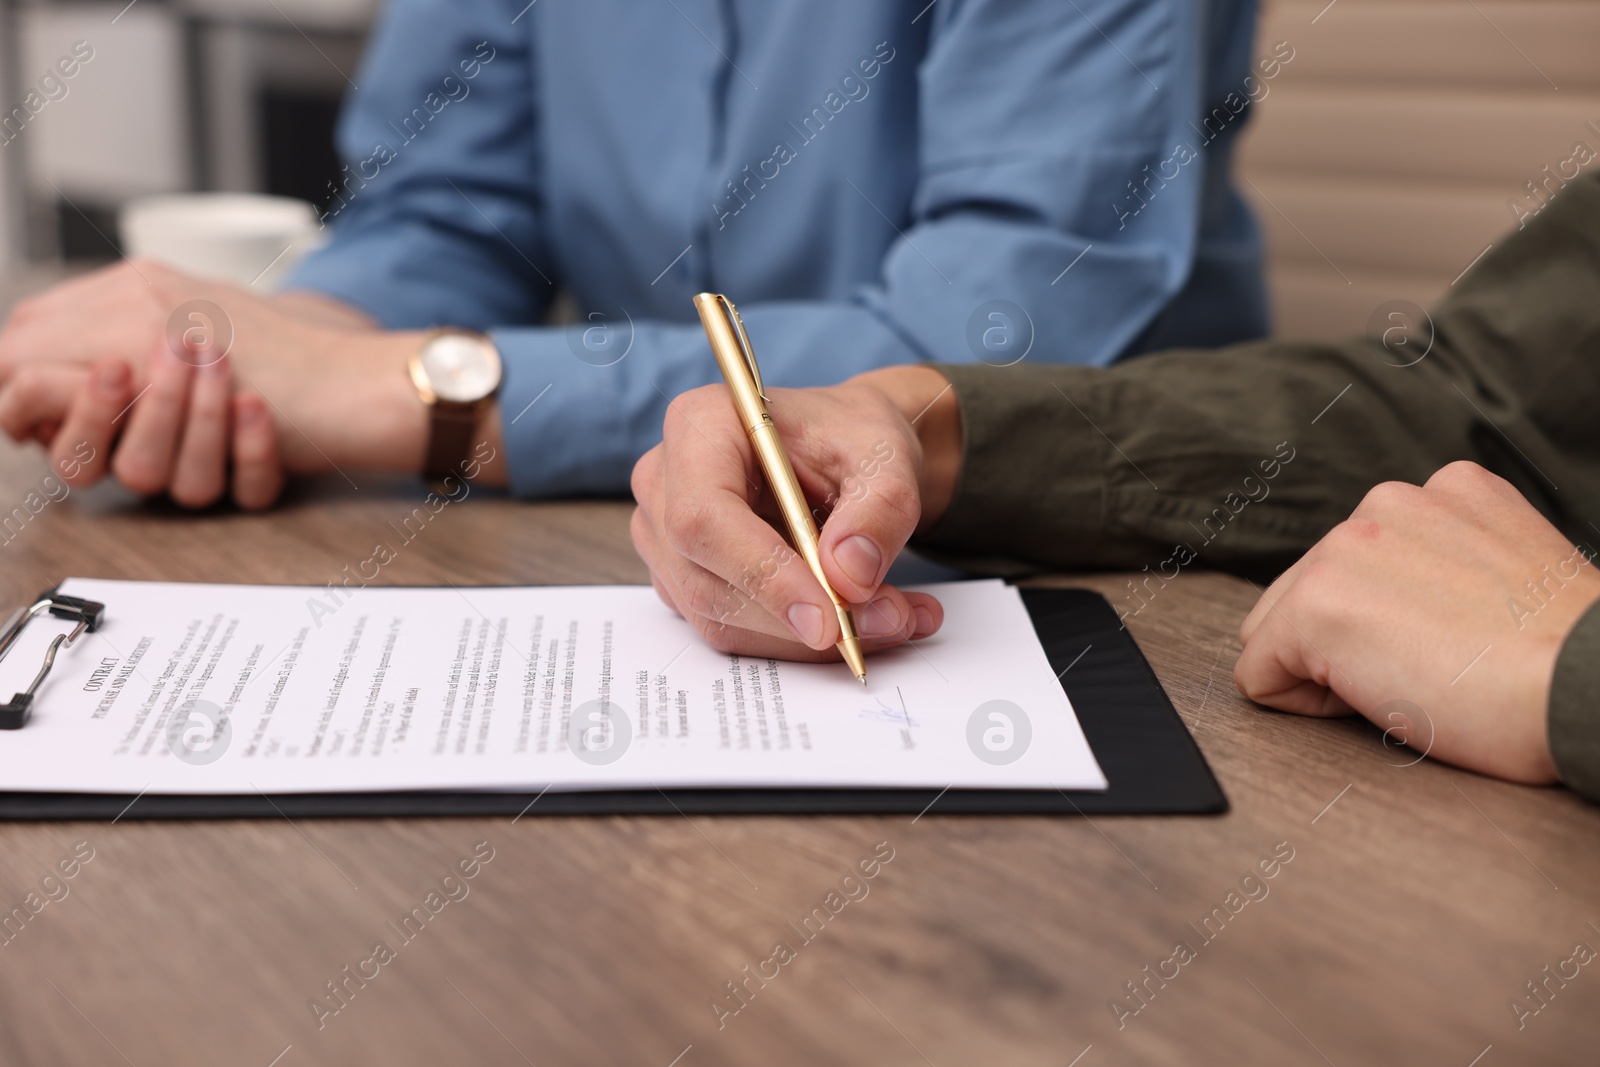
456,372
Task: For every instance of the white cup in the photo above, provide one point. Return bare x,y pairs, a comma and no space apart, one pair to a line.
243,238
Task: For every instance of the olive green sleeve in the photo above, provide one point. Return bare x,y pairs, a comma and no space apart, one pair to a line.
1241,458
1575,707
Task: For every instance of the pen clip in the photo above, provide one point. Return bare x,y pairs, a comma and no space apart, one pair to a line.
744,347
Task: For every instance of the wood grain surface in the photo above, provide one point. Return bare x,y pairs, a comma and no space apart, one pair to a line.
1418,902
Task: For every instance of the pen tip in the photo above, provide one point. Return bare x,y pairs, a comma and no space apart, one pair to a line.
863,680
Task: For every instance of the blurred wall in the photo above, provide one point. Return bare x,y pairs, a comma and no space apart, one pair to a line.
164,96
1388,154
119,128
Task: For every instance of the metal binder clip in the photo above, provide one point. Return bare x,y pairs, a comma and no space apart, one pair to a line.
88,613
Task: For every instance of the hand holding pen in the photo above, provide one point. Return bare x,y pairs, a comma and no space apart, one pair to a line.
709,525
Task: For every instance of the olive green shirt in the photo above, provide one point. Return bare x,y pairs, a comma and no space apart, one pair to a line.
1240,459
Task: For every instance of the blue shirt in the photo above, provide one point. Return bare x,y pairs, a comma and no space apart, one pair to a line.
872,183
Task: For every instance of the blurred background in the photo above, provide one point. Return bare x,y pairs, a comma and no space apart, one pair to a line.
1389,152
1387,156
179,95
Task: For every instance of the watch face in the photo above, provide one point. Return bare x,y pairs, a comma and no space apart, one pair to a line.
462,368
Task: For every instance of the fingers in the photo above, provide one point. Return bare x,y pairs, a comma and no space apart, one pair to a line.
892,619
257,465
116,311
1275,592
1309,699
854,449
711,602
730,572
37,396
145,456
897,616
730,620
697,490
199,473
929,614
82,449
1279,665
1278,668
848,446
877,511
180,432
747,577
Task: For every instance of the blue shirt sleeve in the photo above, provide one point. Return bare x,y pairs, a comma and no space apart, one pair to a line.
436,217
1065,179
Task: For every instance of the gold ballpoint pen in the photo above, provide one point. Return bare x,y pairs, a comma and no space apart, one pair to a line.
731,345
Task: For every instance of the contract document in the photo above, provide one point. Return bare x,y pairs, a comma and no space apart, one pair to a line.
244,689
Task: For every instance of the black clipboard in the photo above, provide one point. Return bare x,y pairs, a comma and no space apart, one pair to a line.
1152,763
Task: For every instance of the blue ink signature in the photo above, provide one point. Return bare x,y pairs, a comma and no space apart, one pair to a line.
884,713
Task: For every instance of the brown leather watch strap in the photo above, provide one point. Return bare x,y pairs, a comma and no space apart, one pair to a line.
449,438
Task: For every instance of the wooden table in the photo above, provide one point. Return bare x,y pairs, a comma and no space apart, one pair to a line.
1418,901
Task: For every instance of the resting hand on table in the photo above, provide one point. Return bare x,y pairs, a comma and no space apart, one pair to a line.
878,456
100,366
1395,603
